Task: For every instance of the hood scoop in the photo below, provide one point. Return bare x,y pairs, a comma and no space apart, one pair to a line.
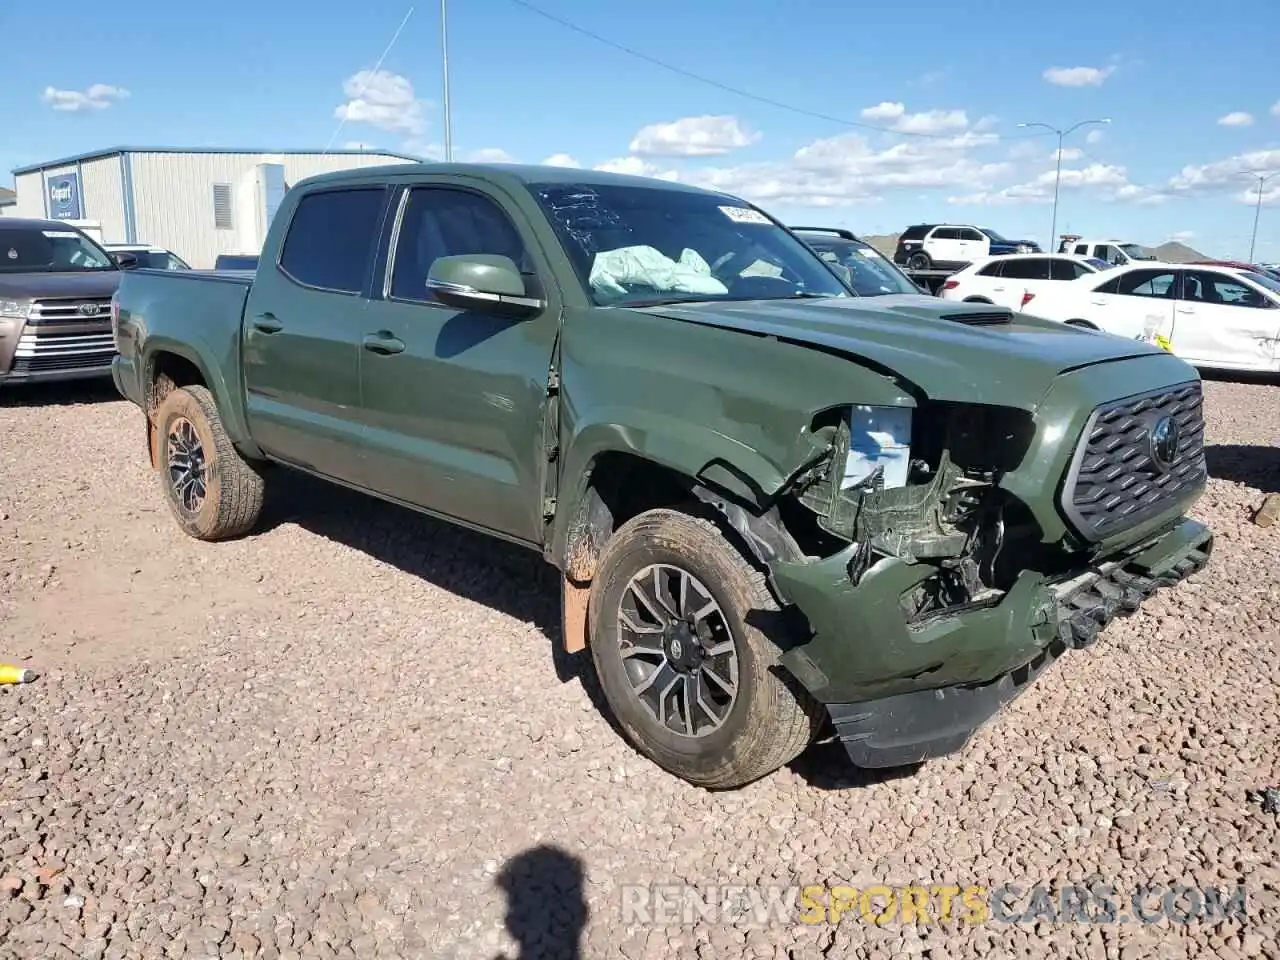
981,318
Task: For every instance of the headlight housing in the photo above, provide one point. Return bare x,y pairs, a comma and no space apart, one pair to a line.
14,309
878,437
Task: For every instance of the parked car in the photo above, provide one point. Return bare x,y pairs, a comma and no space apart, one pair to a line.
55,294
772,503
869,272
1115,252
236,261
950,246
1014,280
1219,317
1241,265
150,257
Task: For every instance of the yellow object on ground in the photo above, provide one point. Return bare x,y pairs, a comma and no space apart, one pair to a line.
11,674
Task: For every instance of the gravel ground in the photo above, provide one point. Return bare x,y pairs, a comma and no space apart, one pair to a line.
350,736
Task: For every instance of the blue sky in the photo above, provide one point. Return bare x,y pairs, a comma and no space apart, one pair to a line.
280,74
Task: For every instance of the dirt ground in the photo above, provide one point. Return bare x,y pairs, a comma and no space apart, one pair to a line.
350,735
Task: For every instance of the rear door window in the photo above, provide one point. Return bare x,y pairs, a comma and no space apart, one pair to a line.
332,238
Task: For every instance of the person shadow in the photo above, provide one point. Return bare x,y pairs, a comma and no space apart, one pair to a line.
546,904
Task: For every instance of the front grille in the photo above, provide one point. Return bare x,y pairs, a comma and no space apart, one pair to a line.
1116,480
84,310
40,352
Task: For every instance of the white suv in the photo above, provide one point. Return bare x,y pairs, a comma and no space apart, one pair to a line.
950,246
1014,280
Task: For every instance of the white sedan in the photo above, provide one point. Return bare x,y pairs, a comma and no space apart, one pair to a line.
1014,280
1216,317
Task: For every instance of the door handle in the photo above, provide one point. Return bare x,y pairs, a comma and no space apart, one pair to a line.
267,323
383,343
1186,309
1098,303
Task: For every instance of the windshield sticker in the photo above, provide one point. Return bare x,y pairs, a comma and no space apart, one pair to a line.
60,233
745,215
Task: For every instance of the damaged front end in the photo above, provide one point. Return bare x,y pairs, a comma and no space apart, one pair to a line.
929,589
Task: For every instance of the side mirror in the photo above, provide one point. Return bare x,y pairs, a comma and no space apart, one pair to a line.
124,259
482,281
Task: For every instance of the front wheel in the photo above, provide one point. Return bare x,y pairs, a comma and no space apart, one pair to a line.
695,687
212,491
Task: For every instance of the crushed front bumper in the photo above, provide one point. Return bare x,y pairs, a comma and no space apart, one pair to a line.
901,693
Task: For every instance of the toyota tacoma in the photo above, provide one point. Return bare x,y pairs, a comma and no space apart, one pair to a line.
778,508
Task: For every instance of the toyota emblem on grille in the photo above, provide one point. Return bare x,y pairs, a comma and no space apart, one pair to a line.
1164,441
88,309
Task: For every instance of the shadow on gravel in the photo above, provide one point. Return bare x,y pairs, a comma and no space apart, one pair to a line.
546,903
500,575
1253,466
1241,376
826,766
71,393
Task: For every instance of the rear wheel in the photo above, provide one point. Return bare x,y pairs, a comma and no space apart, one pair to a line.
919,261
695,687
212,491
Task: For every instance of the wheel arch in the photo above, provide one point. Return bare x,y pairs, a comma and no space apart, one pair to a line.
169,364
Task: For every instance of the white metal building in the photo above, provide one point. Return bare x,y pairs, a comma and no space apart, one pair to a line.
196,202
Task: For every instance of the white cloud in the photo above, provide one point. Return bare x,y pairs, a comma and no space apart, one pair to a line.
847,169
423,148
1237,118
561,160
490,155
705,136
1108,181
634,166
1078,76
930,121
384,100
885,110
97,97
1094,136
1069,154
1227,174
1275,109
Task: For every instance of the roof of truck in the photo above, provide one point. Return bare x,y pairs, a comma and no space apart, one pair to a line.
518,172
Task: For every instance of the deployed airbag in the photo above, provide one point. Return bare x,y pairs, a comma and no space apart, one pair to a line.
614,270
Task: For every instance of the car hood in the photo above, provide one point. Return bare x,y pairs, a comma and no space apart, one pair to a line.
934,345
25,286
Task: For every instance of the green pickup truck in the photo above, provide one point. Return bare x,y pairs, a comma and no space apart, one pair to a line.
779,509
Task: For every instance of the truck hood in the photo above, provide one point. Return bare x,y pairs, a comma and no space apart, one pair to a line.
942,350
27,286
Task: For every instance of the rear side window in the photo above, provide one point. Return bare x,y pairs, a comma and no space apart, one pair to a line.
1140,283
916,232
331,238
1028,268
992,269
946,233
1066,270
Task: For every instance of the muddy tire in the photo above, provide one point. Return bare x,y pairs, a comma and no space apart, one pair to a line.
694,686
212,491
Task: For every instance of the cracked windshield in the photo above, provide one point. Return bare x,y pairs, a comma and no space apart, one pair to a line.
641,246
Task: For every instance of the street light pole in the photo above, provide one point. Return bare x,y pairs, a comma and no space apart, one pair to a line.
1057,176
444,56
1257,210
